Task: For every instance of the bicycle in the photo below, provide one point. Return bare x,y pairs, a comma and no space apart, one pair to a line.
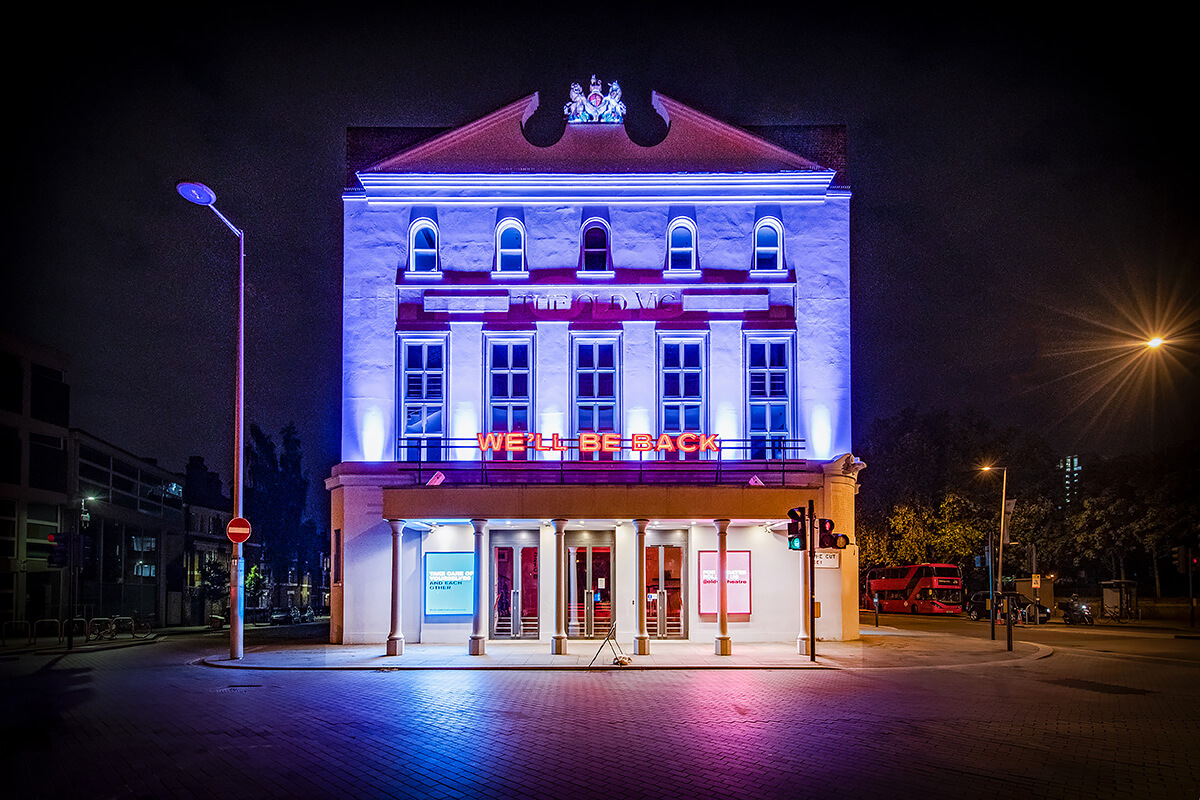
1116,614
101,628
142,629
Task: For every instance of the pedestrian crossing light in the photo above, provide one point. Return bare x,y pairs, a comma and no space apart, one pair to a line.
796,529
829,539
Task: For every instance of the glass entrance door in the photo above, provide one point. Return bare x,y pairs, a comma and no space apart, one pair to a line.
514,591
589,584
664,592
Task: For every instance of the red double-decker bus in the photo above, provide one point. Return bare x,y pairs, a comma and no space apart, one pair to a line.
916,589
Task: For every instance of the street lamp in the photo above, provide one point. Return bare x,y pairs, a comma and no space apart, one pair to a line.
201,195
992,583
73,553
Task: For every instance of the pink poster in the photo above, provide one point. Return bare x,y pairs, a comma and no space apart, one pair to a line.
737,579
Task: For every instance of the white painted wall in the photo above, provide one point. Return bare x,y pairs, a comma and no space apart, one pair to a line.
816,245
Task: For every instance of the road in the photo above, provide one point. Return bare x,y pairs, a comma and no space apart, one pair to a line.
1138,640
1112,713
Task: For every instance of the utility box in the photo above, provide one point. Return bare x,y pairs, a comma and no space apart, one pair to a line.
1120,595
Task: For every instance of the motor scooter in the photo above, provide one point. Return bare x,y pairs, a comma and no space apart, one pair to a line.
1075,613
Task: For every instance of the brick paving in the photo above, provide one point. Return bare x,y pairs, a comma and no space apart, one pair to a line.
901,714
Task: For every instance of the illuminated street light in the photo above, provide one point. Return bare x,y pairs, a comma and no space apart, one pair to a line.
201,195
1155,342
992,583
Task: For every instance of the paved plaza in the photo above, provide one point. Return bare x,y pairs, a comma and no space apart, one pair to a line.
904,712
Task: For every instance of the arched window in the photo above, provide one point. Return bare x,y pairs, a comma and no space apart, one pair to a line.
423,246
510,246
595,246
768,245
681,245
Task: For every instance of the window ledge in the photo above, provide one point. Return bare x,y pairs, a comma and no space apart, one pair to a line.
595,274
682,274
777,274
510,276
423,276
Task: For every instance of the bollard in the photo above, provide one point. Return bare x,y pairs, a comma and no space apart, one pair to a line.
1008,622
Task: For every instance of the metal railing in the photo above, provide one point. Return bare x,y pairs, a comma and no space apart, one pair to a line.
784,467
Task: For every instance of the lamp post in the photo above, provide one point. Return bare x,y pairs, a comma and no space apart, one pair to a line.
1154,346
994,582
73,553
201,195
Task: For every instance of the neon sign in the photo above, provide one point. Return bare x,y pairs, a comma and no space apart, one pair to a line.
600,443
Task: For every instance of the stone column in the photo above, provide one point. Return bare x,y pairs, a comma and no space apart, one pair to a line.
558,645
723,645
641,642
838,590
395,640
477,646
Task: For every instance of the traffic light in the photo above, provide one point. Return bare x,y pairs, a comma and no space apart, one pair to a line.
828,538
60,555
796,529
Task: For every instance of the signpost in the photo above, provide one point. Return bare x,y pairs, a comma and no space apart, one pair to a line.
238,531
1036,580
812,576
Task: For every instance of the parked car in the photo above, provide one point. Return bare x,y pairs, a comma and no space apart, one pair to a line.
976,607
285,616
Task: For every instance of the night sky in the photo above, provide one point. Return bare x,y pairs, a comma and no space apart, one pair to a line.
1022,199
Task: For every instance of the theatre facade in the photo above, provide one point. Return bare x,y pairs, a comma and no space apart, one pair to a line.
584,382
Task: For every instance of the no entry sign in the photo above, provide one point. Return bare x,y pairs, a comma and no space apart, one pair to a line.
238,530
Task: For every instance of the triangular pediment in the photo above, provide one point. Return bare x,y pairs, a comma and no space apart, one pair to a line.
695,143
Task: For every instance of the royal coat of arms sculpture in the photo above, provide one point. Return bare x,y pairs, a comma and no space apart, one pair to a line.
595,106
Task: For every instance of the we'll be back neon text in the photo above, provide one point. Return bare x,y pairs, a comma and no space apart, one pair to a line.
600,442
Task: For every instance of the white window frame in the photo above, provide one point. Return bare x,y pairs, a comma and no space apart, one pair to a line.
584,272
665,341
413,251
489,371
777,226
690,227
403,342
774,441
577,401
510,223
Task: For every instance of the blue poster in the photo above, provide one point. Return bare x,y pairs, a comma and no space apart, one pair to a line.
449,584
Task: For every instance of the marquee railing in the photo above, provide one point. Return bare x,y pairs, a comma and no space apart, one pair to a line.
730,464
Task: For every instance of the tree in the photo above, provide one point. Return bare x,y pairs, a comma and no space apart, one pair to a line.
923,496
276,500
214,583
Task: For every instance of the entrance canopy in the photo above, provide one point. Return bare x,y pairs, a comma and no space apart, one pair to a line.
592,502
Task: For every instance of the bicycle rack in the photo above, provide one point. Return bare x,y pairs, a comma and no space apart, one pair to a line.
82,628
33,633
14,622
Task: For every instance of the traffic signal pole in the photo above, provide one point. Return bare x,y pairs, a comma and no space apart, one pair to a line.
71,575
812,587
